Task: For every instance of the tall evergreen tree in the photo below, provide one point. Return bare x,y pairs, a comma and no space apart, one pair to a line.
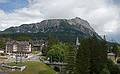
70,60
51,41
98,55
91,56
83,58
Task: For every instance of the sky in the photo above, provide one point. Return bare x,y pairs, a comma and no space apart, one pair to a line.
103,15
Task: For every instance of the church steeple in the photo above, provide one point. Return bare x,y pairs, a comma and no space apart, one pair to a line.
77,42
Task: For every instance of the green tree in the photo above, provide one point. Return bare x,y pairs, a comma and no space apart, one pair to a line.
23,37
57,52
105,71
82,65
51,41
91,56
2,44
113,68
70,59
98,56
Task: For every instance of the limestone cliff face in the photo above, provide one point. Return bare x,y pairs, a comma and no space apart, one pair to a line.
62,27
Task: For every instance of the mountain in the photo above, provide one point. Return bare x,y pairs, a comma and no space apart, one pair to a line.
60,28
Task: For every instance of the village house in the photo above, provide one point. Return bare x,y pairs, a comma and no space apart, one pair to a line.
38,45
18,48
111,56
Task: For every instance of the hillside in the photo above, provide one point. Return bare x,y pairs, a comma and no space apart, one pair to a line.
35,68
62,29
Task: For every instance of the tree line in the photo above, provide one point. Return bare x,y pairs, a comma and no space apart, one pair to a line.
89,58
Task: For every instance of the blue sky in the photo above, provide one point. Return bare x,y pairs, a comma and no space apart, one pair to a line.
103,15
117,2
10,5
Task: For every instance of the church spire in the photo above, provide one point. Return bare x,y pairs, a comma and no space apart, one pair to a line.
77,42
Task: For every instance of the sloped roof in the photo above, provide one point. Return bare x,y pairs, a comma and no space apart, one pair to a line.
18,42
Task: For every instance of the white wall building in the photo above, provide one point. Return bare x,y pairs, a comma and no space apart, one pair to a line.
18,48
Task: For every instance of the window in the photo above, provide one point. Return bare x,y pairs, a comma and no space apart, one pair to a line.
14,48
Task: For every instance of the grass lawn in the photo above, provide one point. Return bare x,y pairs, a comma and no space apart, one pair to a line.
34,68
35,52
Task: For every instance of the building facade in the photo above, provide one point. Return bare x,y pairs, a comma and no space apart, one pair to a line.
18,48
38,45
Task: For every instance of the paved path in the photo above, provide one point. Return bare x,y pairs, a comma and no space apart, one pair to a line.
34,58
3,73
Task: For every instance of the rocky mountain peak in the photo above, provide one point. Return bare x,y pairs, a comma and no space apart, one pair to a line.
80,22
77,18
74,25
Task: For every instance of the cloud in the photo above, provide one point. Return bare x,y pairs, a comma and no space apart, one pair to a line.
21,16
103,15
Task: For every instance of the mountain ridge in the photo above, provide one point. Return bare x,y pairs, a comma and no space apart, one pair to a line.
54,22
61,28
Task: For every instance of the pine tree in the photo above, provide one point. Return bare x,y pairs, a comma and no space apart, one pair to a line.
83,58
98,55
91,56
51,41
70,60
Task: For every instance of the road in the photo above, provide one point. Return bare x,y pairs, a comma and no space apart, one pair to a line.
32,57
3,73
